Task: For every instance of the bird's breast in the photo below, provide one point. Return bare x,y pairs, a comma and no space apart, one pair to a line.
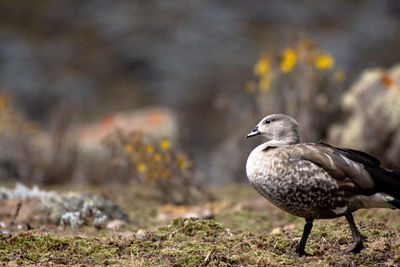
299,187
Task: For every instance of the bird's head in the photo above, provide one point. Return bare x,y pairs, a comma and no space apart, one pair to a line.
278,128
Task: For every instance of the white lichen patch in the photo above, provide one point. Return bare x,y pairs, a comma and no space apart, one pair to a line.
71,209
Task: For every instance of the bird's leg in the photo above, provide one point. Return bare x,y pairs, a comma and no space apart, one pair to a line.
302,244
357,245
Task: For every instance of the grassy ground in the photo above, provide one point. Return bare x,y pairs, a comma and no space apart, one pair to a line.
241,229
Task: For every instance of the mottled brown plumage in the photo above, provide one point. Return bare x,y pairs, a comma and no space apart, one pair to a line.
317,181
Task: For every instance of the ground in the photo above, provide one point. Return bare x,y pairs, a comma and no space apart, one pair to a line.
238,229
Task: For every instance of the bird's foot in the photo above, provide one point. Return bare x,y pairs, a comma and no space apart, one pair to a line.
356,247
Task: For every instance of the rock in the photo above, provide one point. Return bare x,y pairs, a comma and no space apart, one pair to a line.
33,208
276,230
22,213
141,235
157,121
373,124
90,207
126,235
72,219
115,224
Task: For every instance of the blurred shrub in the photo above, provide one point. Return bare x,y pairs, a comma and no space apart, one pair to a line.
144,159
27,154
11,121
299,80
373,107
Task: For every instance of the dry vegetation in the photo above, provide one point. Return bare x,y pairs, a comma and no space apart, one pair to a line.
30,156
145,159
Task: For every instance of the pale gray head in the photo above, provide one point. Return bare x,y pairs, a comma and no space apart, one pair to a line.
278,128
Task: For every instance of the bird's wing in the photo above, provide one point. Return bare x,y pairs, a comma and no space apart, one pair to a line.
340,164
355,155
385,180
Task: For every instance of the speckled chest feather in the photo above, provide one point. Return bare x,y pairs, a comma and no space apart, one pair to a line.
299,187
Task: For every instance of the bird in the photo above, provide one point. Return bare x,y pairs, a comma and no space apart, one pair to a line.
317,180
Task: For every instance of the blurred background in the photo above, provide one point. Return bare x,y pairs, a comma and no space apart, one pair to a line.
163,92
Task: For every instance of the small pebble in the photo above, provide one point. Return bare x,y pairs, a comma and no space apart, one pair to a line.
141,234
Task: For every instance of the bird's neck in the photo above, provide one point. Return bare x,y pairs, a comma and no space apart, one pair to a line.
288,140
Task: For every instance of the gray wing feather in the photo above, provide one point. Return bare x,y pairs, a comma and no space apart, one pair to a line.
337,165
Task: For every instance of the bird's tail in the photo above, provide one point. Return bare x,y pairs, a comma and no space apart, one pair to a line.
387,181
395,202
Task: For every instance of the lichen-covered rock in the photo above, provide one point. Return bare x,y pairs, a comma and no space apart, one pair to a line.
373,124
71,209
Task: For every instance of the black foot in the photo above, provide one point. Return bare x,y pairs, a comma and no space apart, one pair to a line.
302,244
357,245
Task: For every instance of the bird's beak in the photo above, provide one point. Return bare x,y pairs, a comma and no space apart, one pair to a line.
253,133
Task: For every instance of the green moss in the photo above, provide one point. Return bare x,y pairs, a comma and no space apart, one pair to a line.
234,238
21,261
190,260
246,219
194,226
31,247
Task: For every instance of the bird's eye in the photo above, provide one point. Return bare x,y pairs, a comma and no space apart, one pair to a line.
267,121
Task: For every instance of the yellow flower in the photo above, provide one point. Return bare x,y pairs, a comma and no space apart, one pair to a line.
324,61
263,65
164,144
157,157
150,148
264,83
141,167
340,76
183,164
289,60
128,148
